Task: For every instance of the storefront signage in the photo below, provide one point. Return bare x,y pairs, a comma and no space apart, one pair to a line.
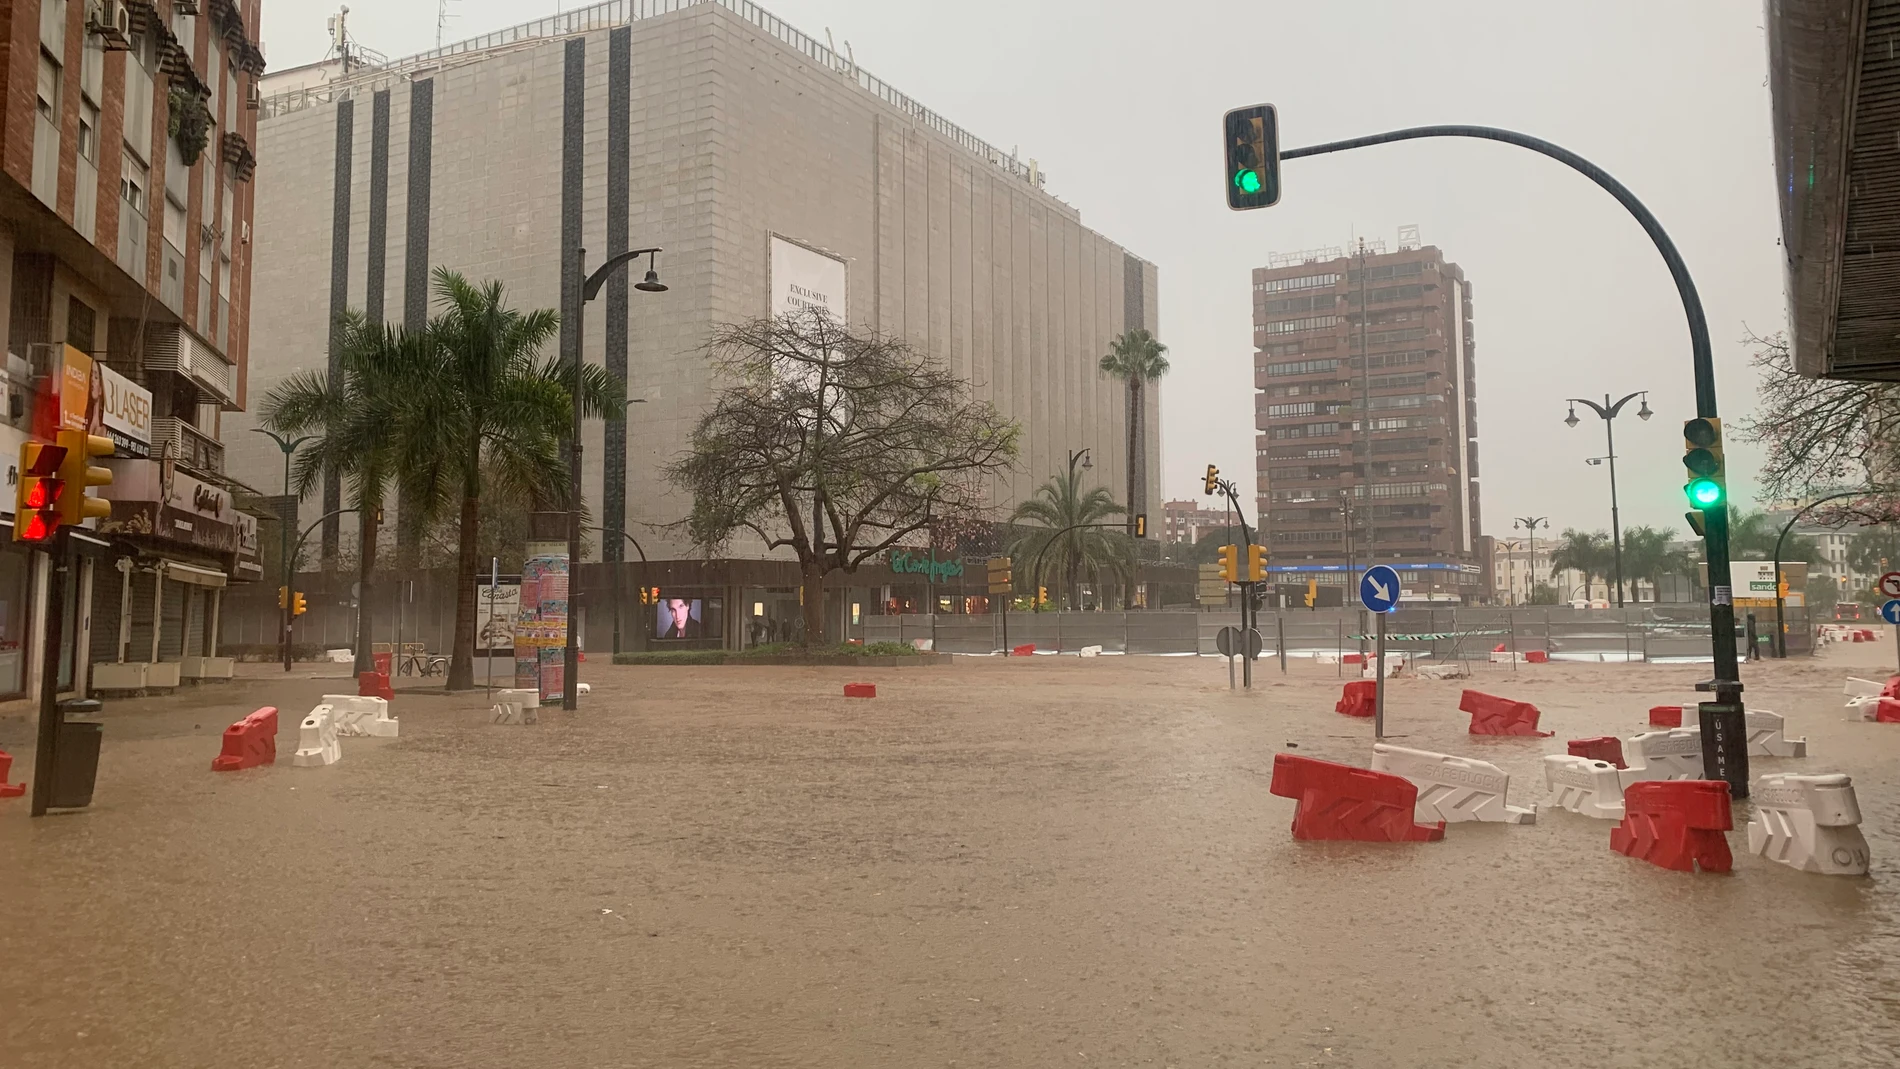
803,278
151,497
128,413
75,391
905,563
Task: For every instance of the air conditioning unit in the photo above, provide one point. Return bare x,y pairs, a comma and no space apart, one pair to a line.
253,95
184,7
112,22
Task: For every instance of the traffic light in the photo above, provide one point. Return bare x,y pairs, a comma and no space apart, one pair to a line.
1042,595
1001,579
1312,592
283,597
1256,564
1230,563
1253,157
79,472
39,493
1141,525
1213,477
297,607
1702,455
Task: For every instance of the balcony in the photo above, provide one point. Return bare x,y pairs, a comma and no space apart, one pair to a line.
189,446
170,347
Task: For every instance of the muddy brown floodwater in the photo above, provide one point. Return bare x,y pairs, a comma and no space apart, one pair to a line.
1029,862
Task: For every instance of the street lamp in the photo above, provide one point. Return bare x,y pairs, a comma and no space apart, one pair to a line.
289,446
1531,523
1608,412
587,291
1081,455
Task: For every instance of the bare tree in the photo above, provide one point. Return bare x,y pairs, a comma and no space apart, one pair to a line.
1820,434
834,445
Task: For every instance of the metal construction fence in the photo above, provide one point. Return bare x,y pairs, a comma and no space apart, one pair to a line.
1648,633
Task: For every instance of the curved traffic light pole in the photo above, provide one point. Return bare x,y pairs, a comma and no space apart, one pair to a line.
1725,742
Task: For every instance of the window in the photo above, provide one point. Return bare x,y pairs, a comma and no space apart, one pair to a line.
1302,367
1400,359
134,179
49,87
1410,400
1388,293
1304,282
89,131
1293,326
1302,408
1386,337
1298,304
1385,271
1387,381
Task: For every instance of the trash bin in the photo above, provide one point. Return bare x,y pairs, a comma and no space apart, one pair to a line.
76,754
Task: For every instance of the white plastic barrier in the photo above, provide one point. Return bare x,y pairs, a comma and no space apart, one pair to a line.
1765,738
1862,688
1505,657
1394,664
1090,651
1672,754
1451,788
341,656
583,688
1454,670
517,706
1325,657
1811,823
361,715
1590,788
316,740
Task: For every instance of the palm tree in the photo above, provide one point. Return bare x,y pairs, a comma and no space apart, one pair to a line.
1061,503
1137,359
350,418
1586,551
483,409
1647,554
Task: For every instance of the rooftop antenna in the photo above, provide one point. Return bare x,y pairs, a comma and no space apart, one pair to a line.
442,18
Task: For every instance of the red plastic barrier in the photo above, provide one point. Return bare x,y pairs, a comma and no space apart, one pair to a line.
1499,648
9,790
1892,689
1665,716
249,743
1860,636
1677,824
1353,658
1027,649
1536,657
1358,698
1602,748
860,690
1887,711
1867,634
1342,802
1491,715
380,661
374,685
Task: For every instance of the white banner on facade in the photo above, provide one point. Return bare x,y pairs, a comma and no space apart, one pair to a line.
803,277
128,413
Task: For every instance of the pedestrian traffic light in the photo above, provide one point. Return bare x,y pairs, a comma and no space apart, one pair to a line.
297,607
1702,455
1256,564
1312,592
1230,563
77,469
37,495
1253,157
283,597
1213,477
1141,525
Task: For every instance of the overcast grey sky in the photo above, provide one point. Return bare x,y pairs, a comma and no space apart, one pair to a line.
1120,102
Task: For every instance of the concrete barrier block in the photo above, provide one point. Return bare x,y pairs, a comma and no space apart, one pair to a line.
1810,823
1452,789
249,743
1766,738
1584,786
316,740
357,715
1663,755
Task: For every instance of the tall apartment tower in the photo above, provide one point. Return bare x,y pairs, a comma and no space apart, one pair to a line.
1366,408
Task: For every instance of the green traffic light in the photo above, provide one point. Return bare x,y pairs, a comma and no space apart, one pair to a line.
1705,493
1248,181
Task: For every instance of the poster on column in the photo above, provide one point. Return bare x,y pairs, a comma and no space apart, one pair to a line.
541,634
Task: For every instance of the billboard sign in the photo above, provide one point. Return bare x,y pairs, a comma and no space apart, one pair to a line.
803,278
128,414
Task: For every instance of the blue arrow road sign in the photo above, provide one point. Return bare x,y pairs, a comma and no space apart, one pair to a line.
1890,612
1379,588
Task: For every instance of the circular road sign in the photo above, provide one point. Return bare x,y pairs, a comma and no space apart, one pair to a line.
1890,612
1227,641
1379,588
1890,584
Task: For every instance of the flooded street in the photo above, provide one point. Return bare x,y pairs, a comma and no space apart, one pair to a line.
994,863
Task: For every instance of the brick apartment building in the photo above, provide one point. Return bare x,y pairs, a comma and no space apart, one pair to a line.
125,211
1187,521
1336,335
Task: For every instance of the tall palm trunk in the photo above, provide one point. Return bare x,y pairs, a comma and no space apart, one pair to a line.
1136,456
366,572
462,656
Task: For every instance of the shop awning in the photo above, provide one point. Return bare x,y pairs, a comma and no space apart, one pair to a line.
186,573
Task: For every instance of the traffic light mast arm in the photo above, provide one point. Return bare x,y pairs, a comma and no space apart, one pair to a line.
1036,574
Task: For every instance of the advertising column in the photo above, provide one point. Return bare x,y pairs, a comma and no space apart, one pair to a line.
541,633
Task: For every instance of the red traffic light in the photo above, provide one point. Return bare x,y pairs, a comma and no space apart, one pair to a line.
38,529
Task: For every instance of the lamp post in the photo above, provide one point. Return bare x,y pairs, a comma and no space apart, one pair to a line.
1531,523
586,291
1608,412
289,446
1511,546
